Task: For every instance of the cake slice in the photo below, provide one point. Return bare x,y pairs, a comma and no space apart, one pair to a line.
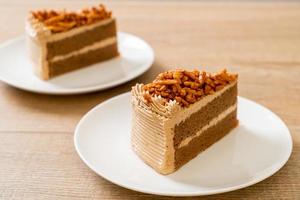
63,41
180,114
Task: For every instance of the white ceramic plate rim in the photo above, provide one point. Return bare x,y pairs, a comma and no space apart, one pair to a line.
116,181
81,90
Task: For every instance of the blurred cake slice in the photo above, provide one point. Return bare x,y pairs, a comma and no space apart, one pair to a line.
63,41
180,114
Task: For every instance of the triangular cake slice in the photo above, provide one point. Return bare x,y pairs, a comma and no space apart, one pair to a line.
62,41
180,114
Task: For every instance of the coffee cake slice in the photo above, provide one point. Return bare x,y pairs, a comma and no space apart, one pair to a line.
180,114
62,41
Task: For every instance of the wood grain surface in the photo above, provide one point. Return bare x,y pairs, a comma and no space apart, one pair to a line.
259,40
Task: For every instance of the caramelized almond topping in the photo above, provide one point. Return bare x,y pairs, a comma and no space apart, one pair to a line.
187,87
60,21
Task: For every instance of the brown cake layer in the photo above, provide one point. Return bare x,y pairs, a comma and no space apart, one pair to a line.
202,117
81,40
82,60
204,140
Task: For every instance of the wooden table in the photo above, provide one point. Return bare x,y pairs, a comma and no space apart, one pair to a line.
261,41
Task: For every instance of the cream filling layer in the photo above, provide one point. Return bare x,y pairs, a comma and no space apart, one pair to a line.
96,45
213,122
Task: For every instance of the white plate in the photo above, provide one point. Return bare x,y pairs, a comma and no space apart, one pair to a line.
16,70
253,151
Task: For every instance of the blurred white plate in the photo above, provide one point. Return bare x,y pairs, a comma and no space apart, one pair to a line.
16,70
253,151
